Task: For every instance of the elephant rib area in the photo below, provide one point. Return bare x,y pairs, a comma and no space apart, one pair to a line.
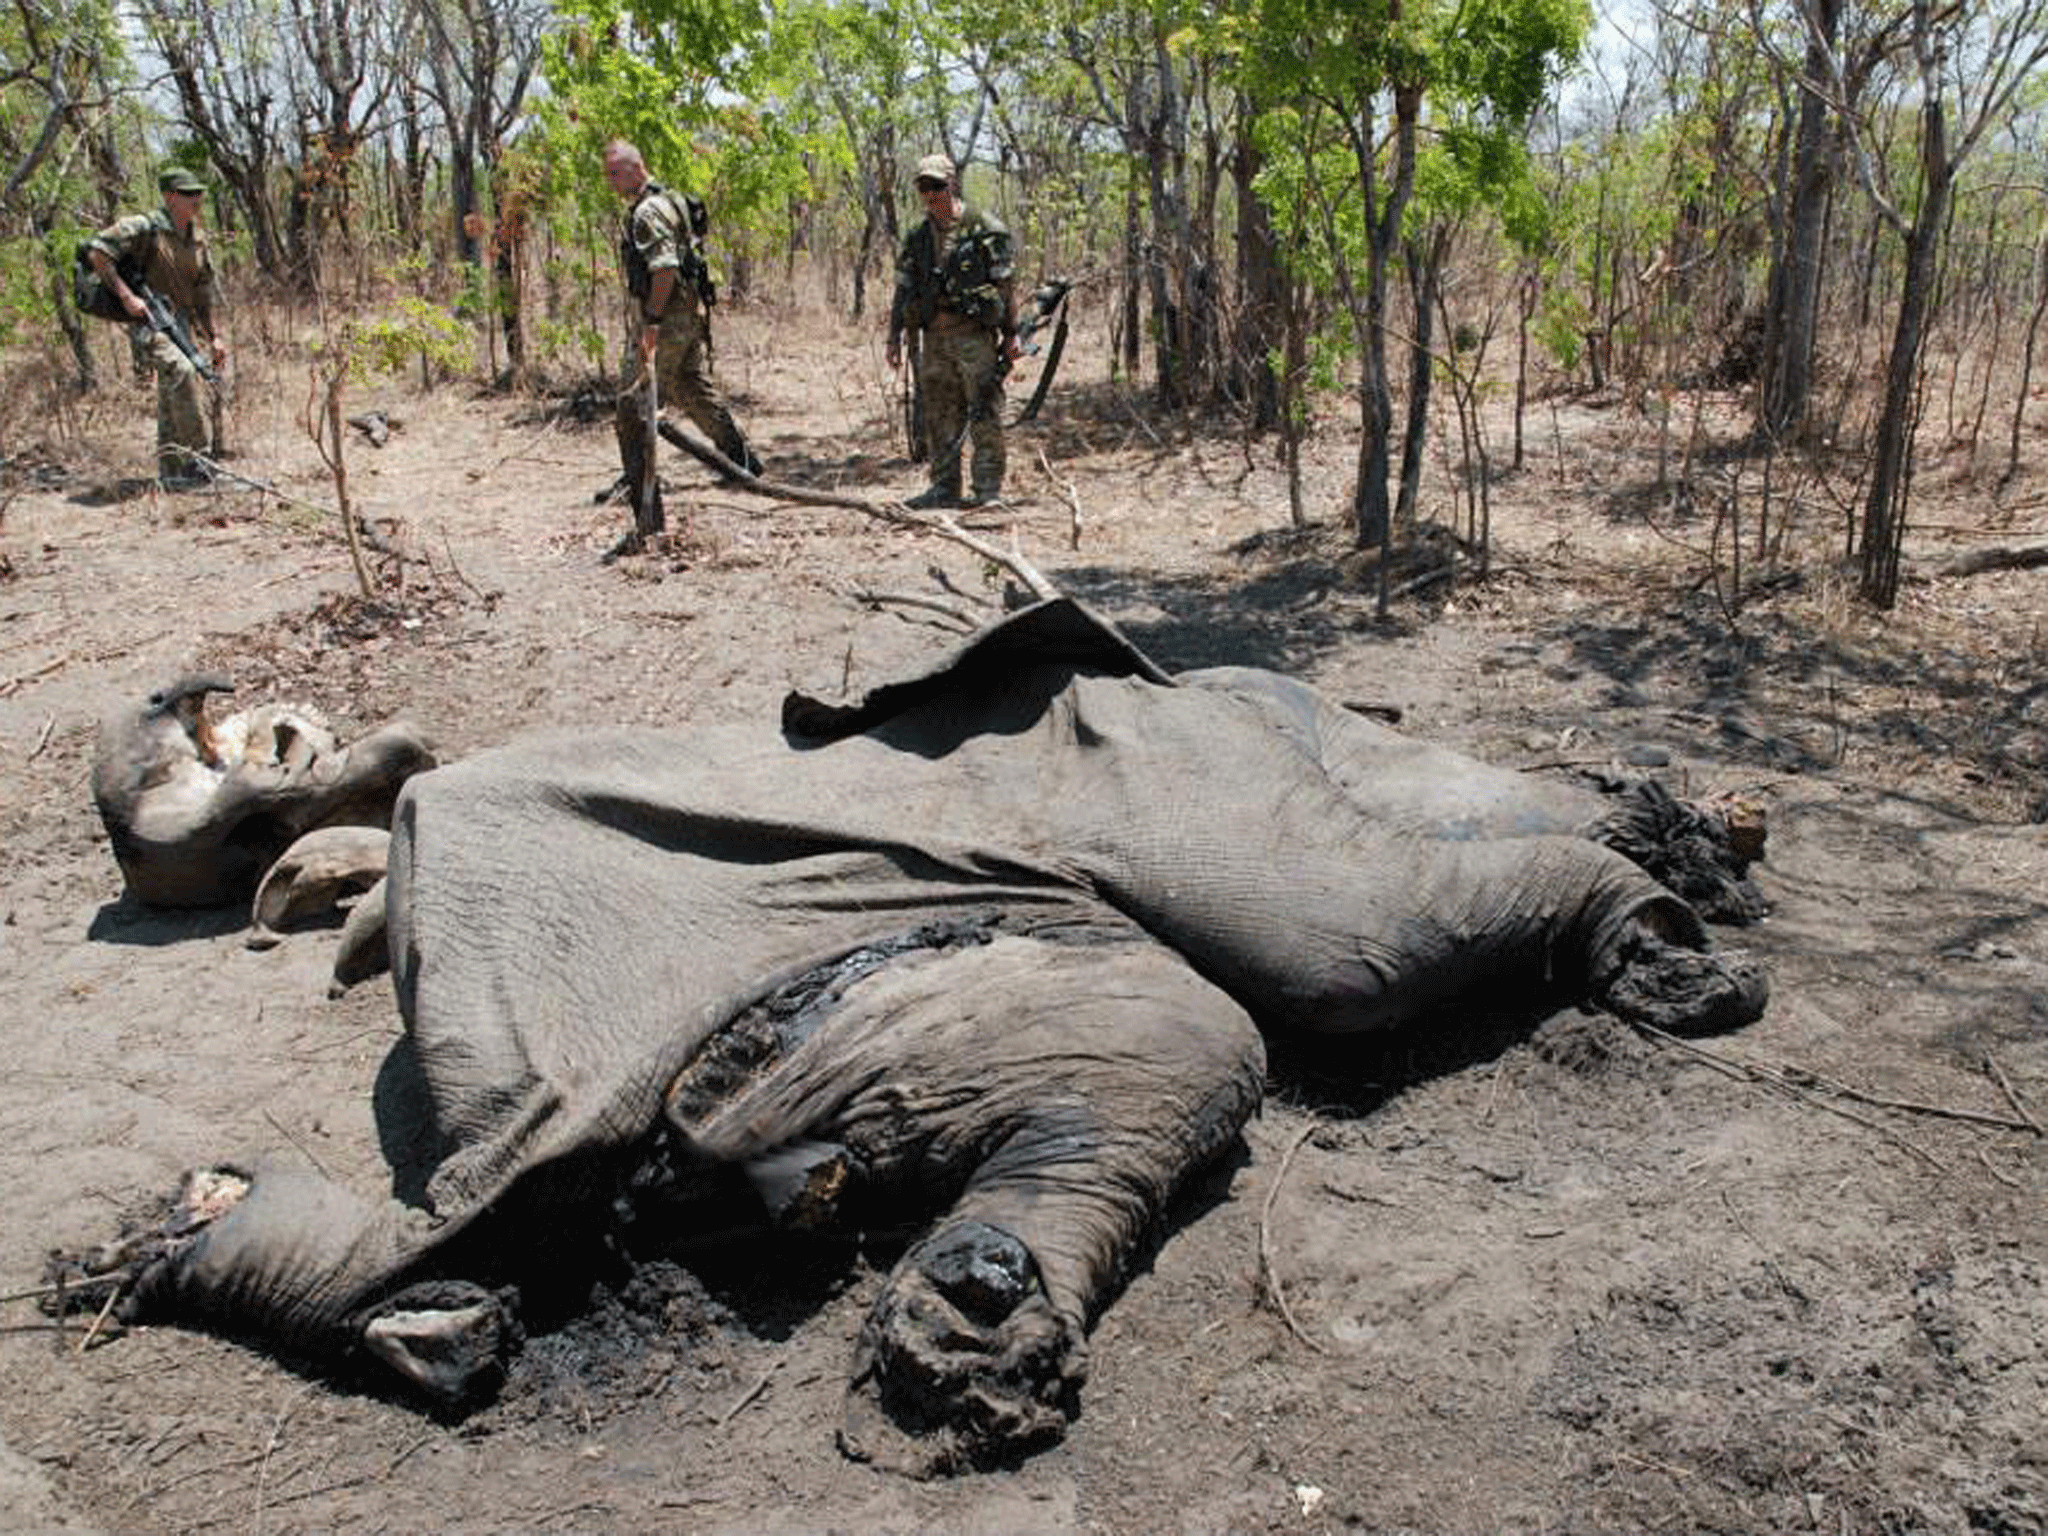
1060,1081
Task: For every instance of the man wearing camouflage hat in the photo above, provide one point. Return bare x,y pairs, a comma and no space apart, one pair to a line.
166,249
668,321
955,284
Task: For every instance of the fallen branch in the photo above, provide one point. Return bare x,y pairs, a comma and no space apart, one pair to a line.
888,512
43,740
1066,489
2012,1095
909,600
1756,1072
1269,1273
2000,557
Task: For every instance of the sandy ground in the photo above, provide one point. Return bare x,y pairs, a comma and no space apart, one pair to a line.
1574,1280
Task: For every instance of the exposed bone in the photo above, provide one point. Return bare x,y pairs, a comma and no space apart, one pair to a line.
440,1351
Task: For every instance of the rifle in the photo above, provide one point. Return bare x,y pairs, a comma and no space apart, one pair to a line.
162,319
1049,301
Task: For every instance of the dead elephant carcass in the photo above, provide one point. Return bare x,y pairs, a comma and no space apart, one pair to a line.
1008,930
198,810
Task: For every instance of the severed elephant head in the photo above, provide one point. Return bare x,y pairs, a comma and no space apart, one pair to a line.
198,809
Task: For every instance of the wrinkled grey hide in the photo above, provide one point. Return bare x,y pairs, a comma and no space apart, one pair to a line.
198,810
1003,930
1439,792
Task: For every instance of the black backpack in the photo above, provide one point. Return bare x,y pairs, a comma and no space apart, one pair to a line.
94,297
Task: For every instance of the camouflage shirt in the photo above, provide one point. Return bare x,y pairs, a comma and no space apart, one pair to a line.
967,270
658,235
177,266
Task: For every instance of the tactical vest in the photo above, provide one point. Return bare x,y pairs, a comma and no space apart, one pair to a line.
173,268
691,218
965,284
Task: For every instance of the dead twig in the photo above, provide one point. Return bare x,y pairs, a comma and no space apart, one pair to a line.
448,550
888,512
307,1152
13,684
909,600
43,740
270,1450
100,1319
519,451
1066,490
40,1292
1993,1169
749,1395
1269,1273
356,1480
2012,1096
1756,1072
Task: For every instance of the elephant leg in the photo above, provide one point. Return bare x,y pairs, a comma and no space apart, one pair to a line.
1064,1088
364,950
1686,991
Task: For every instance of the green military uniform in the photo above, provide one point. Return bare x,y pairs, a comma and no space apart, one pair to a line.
658,236
180,269
956,285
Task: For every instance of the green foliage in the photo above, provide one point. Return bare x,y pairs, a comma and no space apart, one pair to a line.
388,344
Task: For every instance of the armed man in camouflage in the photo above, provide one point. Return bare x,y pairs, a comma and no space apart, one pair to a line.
167,250
668,293
955,284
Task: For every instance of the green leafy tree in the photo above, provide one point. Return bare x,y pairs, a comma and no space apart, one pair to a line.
1380,69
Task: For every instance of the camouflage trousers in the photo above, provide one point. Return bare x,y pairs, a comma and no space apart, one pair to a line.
956,368
683,382
180,406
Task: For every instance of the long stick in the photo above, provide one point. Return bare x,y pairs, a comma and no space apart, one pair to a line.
888,512
1269,1271
649,519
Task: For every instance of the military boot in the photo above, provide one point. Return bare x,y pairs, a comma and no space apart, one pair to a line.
741,452
934,496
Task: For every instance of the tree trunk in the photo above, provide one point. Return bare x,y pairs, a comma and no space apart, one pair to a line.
1375,398
1884,511
1425,261
1795,289
1261,296
2019,402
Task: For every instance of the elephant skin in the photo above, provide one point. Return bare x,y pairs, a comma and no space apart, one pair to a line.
1008,934
197,810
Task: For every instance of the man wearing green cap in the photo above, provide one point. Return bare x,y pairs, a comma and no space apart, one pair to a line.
168,250
955,283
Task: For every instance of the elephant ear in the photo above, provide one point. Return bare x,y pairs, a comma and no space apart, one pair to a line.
314,878
1059,632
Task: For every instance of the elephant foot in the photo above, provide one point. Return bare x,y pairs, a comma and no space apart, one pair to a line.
449,1339
964,1356
203,1196
1685,991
